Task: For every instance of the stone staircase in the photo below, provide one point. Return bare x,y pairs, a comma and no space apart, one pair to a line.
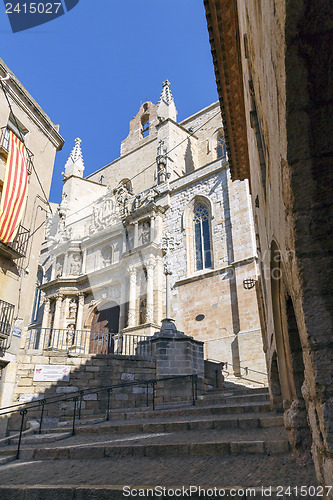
230,440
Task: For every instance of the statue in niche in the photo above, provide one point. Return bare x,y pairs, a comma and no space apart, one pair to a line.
143,310
144,232
58,269
75,266
106,253
70,334
123,194
161,161
72,309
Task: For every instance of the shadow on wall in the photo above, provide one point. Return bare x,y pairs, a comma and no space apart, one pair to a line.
89,373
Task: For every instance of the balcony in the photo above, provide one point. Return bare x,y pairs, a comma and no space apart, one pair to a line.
4,148
17,248
6,320
88,342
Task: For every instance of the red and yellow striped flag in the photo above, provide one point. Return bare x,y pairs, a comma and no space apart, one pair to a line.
14,193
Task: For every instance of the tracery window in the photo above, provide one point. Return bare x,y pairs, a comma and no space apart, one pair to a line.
203,253
221,149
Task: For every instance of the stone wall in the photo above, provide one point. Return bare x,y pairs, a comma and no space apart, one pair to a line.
86,371
278,56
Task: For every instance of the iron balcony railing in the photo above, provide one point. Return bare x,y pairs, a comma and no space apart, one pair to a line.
6,320
18,247
88,342
4,148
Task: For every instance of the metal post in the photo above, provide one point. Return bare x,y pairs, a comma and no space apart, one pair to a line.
80,405
74,414
196,386
43,403
147,389
216,379
23,413
193,390
154,383
108,409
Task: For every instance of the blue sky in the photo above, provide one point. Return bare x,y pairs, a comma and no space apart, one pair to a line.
92,68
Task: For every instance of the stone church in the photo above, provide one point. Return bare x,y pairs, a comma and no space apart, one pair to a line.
160,231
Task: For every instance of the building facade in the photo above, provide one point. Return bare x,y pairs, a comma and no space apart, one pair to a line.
273,68
162,223
21,115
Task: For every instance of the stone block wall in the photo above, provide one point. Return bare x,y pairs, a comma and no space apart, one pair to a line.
178,356
87,372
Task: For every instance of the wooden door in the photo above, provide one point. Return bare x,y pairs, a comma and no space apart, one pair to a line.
105,323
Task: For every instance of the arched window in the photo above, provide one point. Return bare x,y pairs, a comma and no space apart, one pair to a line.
203,253
221,149
145,125
37,298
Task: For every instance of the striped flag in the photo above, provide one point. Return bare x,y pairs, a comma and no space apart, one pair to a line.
14,193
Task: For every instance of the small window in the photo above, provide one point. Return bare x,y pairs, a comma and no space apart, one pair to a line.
145,126
203,254
221,149
16,127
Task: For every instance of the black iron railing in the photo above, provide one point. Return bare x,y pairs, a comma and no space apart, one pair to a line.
4,146
77,398
245,368
20,242
6,319
88,342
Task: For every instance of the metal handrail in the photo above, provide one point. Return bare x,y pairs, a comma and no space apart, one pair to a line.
76,396
246,368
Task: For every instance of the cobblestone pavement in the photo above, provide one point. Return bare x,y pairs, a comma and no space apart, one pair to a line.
245,470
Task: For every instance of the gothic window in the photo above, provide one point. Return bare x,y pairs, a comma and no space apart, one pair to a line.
37,298
145,125
221,149
203,252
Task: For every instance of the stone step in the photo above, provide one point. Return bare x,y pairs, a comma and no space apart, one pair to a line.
103,479
226,398
208,409
73,492
260,420
42,438
233,389
5,459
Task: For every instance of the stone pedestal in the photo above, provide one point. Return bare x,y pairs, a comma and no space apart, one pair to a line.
176,353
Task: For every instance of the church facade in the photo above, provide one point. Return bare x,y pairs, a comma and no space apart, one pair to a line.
161,231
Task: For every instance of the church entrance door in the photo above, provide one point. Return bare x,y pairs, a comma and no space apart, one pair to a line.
105,323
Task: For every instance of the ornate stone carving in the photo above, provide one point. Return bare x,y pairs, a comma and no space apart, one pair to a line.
59,267
150,264
106,254
145,198
72,309
104,213
132,274
161,160
75,265
144,232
